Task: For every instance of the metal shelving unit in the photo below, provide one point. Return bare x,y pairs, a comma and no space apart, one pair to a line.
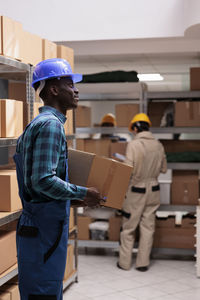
123,92
11,69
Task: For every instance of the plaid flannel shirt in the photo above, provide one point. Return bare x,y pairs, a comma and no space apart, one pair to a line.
43,145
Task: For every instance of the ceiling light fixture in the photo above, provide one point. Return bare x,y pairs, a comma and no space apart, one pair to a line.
150,77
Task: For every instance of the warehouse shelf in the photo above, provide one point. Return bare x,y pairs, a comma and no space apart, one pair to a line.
72,278
6,142
183,208
111,91
173,95
198,242
173,130
8,274
7,217
184,165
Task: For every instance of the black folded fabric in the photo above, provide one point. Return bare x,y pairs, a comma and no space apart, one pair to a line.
113,76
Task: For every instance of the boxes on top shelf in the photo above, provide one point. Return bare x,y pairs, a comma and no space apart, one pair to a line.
83,116
100,147
187,114
66,53
8,252
9,200
110,177
11,39
185,187
124,113
31,51
49,49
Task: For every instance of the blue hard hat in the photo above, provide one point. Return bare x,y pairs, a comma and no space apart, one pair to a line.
54,68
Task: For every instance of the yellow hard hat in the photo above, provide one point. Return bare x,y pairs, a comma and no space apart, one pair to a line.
109,118
139,118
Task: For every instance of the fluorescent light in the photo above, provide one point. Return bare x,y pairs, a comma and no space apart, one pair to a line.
150,77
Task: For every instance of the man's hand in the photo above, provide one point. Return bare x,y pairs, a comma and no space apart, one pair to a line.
93,198
78,203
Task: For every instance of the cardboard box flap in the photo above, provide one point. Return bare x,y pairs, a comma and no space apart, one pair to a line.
79,164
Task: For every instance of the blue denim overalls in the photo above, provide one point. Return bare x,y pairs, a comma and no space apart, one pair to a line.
42,236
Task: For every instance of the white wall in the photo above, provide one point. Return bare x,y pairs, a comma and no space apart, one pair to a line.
63,20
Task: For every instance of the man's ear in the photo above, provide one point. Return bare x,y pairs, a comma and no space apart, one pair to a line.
54,90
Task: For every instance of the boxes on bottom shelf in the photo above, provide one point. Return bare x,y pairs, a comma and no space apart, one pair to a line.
156,111
165,181
117,147
12,289
83,227
9,200
115,224
185,187
70,262
168,235
124,113
110,177
194,79
99,230
8,252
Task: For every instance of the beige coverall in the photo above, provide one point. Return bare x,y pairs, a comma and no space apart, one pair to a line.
147,157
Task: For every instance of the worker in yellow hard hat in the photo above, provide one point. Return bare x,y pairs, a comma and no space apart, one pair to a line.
108,120
147,157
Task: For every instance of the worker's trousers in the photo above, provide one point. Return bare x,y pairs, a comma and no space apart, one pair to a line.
139,209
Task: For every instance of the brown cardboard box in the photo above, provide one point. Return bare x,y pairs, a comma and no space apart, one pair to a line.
173,146
83,227
8,118
12,289
110,177
118,147
100,147
70,262
156,111
114,228
69,126
83,116
49,49
11,32
185,187
71,218
9,200
8,252
125,113
194,79
37,105
18,118
31,52
66,53
168,235
187,114
5,296
17,91
11,118
80,144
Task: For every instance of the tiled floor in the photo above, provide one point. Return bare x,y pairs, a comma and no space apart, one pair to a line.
100,279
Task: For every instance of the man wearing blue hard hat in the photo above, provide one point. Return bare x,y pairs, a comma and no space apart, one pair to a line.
42,173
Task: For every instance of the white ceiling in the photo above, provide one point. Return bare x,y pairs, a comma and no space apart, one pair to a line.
171,57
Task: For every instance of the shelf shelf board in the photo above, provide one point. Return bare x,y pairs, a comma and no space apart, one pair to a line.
5,142
183,165
98,244
166,130
173,95
7,217
8,274
71,279
9,65
169,207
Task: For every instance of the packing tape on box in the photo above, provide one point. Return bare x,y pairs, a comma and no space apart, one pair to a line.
108,179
